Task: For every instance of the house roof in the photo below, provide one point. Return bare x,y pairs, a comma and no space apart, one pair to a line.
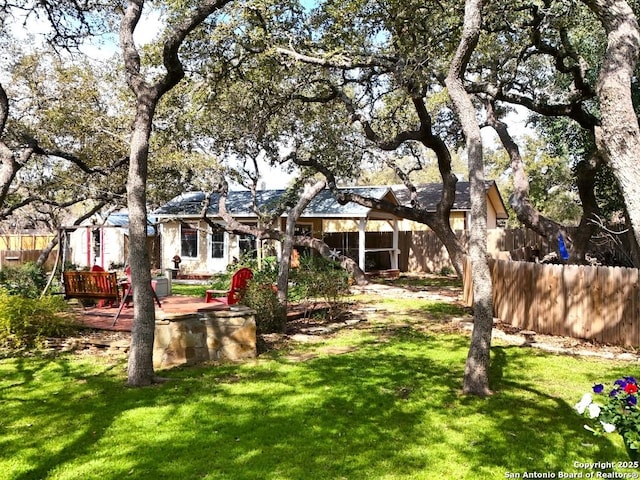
324,205
239,203
429,195
121,220
116,220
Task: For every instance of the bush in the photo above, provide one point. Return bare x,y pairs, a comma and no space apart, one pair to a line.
26,322
27,280
220,281
318,278
261,296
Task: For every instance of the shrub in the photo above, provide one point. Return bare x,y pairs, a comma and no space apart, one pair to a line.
26,322
261,296
27,280
220,281
318,278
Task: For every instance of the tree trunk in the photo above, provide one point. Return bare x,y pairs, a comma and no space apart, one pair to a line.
8,165
618,138
529,215
476,375
287,242
588,227
519,199
323,249
140,369
147,97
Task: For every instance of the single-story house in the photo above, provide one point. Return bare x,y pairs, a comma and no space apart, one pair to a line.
104,242
203,251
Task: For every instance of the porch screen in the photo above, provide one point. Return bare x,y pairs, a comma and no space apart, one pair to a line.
247,245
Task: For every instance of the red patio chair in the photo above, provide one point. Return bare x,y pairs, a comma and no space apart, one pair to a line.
239,282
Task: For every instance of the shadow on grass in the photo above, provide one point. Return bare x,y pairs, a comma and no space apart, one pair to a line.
422,281
391,409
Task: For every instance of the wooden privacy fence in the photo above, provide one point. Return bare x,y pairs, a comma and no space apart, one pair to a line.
19,242
14,258
594,303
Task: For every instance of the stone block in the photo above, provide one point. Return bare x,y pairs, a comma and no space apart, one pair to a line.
212,335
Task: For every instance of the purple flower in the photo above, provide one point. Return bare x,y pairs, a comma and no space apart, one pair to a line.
620,382
614,392
631,380
632,400
598,388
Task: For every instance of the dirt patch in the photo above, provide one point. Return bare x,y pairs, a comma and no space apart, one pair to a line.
93,342
562,345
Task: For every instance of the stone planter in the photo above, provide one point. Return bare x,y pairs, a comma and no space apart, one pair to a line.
187,339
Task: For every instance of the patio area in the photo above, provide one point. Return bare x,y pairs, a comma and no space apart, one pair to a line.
102,318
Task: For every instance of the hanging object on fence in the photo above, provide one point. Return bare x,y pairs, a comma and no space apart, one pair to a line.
563,248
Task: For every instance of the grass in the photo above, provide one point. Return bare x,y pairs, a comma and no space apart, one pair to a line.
189,290
390,408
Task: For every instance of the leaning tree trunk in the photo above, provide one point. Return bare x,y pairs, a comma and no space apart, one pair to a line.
476,374
520,200
348,264
287,243
618,138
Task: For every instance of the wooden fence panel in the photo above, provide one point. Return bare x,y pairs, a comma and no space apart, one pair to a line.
14,258
595,303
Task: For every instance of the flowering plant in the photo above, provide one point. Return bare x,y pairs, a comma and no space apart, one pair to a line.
614,410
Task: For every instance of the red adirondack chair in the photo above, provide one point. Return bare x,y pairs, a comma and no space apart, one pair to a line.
239,282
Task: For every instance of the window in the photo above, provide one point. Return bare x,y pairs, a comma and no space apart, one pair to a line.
188,240
217,245
97,237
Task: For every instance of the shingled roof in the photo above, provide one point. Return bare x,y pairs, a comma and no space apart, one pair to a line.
239,203
429,195
324,205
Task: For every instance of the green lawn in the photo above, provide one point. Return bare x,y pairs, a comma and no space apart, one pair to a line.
389,408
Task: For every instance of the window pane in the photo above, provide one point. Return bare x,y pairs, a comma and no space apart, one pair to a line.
217,245
189,241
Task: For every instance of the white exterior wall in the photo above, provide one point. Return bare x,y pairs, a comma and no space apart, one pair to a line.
81,247
202,263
